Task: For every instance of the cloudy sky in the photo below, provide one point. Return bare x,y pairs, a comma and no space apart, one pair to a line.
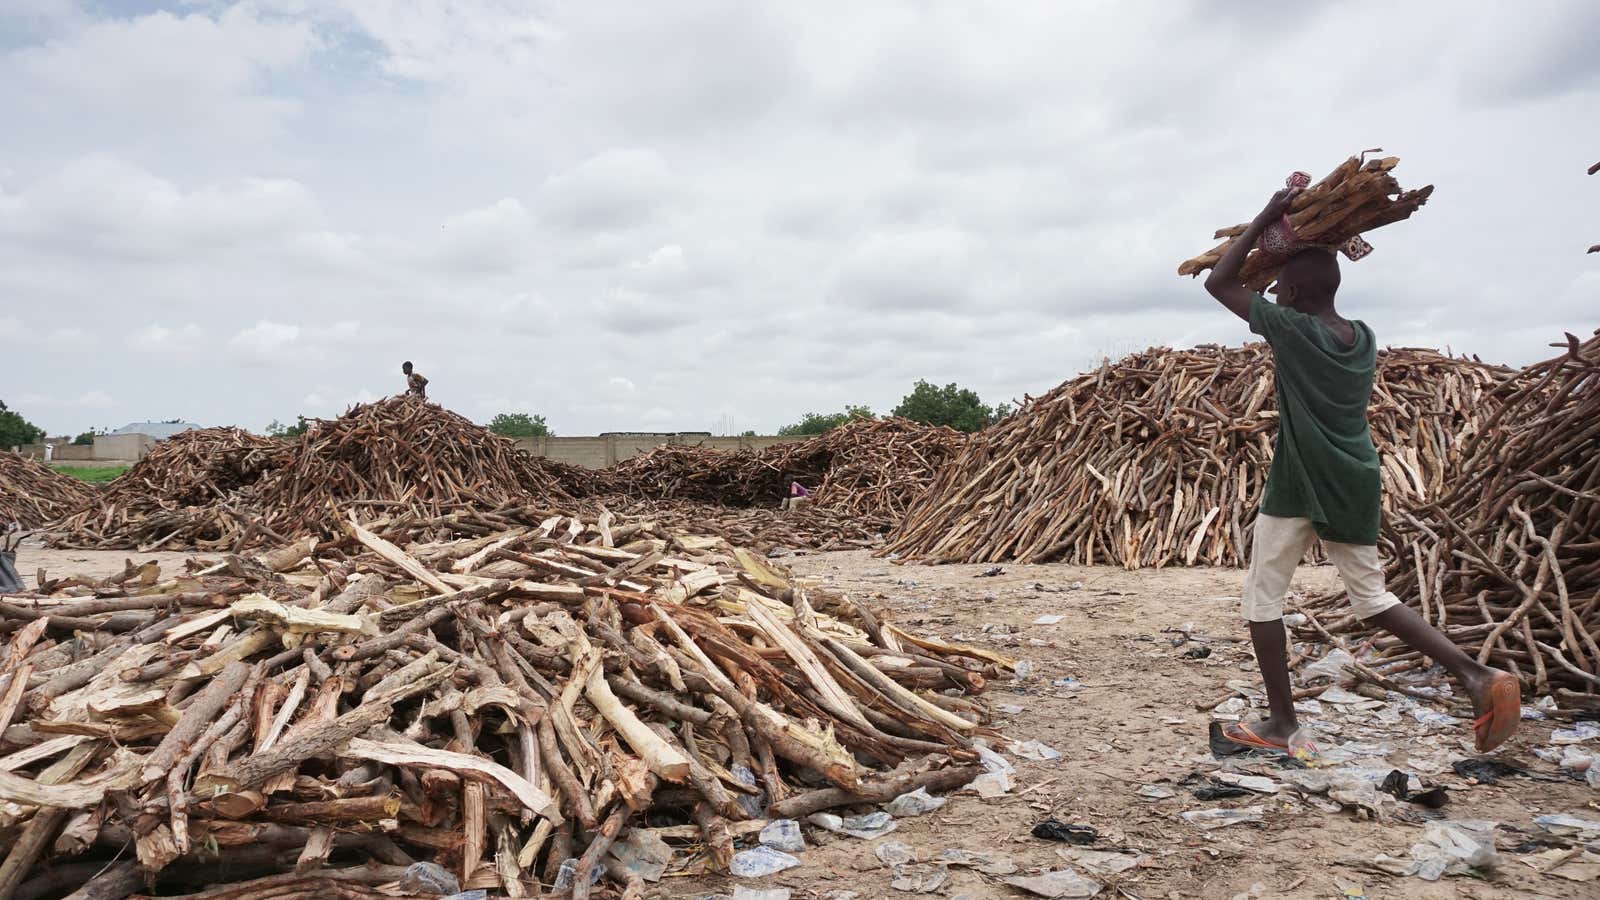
720,215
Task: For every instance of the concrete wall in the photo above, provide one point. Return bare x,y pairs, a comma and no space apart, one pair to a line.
128,447
108,448
64,451
610,449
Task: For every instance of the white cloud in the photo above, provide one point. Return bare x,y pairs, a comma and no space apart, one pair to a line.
69,339
773,207
266,343
616,190
96,400
157,338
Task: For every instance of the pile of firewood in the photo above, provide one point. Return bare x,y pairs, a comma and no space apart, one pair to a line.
1354,198
1507,562
184,493
32,493
872,469
518,711
396,461
1160,459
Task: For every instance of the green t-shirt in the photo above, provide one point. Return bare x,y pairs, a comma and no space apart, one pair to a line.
1325,467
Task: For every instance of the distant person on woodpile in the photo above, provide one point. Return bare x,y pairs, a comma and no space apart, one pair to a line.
1324,482
416,384
798,495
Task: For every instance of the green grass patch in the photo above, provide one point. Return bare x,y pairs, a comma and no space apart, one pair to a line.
92,474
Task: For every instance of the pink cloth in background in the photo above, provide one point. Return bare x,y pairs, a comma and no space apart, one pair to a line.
798,490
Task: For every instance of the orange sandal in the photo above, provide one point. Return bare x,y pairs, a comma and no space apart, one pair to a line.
1244,736
1496,726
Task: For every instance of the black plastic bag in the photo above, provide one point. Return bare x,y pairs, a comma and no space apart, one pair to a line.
10,581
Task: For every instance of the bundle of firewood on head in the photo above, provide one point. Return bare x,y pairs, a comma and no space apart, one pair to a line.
32,493
541,707
1161,458
1358,196
1507,562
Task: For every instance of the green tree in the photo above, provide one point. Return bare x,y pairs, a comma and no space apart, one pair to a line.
278,429
817,423
520,425
87,438
950,405
15,430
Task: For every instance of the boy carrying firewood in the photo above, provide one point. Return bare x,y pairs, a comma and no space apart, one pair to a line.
1324,483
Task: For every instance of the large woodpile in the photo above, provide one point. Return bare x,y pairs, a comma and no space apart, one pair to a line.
32,493
1358,196
397,460
872,469
520,709
1507,561
183,493
1160,459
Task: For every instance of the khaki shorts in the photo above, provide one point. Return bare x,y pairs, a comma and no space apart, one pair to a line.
1281,543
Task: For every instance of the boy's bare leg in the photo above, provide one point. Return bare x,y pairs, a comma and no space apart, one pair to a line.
1271,644
1403,622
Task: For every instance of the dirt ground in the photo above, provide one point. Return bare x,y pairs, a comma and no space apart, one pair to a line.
1128,719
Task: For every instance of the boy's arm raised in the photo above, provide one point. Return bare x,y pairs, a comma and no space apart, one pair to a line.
1224,283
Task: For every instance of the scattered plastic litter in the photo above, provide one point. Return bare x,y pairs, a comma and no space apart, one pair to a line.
916,803
1233,706
990,572
869,826
992,761
1338,665
643,853
1577,734
1485,770
1197,653
1036,751
743,893
983,862
1022,670
429,878
1568,826
1101,862
1259,784
919,879
757,862
754,805
1157,792
990,785
893,853
1050,619
1222,818
1210,790
569,870
1061,883
1057,830
1010,709
1455,848
1433,718
1339,695
783,834
1398,785
1071,684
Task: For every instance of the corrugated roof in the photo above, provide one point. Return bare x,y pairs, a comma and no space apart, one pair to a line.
158,430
